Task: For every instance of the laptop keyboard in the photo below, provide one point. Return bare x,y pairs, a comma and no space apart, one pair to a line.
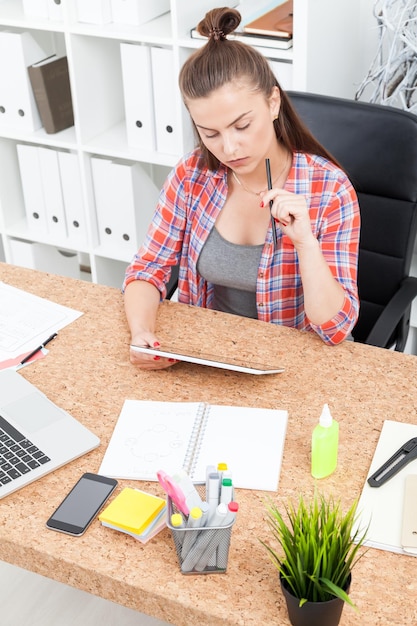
18,455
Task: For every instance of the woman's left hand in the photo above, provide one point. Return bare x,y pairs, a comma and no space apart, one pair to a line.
292,214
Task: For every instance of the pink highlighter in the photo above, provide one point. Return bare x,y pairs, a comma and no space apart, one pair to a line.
173,490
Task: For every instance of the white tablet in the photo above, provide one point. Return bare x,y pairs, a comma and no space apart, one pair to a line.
236,364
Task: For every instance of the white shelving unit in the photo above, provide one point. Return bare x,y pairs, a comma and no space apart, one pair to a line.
325,58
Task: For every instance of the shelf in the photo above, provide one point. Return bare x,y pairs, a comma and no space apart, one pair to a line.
322,59
157,31
113,143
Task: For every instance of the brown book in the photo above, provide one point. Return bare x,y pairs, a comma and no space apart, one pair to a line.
51,87
276,23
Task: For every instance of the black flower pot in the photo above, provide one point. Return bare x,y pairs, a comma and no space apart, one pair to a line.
313,613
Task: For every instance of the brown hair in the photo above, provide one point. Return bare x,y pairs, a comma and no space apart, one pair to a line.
221,61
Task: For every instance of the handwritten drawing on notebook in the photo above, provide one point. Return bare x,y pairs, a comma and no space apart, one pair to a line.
150,436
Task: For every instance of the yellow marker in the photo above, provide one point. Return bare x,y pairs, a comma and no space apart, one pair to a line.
177,520
194,521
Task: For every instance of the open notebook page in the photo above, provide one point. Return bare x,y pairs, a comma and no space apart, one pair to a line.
249,440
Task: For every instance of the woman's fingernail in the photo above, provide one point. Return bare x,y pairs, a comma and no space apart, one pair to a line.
156,358
261,204
156,344
172,360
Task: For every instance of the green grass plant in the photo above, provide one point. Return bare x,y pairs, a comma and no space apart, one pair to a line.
320,548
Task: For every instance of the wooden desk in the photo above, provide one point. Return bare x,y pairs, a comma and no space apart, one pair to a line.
88,373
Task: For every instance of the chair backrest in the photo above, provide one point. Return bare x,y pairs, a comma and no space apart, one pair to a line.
377,147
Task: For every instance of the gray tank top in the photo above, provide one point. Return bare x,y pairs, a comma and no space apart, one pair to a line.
232,270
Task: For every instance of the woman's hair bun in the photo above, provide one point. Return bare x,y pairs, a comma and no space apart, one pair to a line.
218,23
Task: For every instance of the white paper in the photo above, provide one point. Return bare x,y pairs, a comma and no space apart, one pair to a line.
26,321
382,507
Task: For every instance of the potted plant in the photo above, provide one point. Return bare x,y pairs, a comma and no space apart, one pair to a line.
320,548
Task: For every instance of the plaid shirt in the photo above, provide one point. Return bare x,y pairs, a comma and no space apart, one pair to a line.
188,207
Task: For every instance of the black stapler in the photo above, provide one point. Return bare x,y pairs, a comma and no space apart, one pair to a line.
403,456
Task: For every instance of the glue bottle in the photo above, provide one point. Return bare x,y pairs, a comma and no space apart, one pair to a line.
324,445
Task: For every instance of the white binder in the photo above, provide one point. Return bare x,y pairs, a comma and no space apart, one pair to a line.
167,119
125,201
137,12
138,95
36,8
30,175
135,198
73,198
55,11
52,191
18,50
94,11
106,213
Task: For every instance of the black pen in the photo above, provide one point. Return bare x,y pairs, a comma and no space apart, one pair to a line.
38,349
269,179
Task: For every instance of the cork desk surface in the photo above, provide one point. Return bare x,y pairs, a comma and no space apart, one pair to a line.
88,373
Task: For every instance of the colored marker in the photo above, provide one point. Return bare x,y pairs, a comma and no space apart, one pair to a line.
216,519
226,491
177,521
210,469
213,493
224,544
194,521
205,512
221,468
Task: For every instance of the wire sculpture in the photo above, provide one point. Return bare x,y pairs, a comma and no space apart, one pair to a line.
392,76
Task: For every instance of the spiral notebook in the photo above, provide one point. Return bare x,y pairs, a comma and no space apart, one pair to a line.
151,436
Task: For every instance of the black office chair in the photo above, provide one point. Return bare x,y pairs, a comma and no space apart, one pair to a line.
377,147
173,282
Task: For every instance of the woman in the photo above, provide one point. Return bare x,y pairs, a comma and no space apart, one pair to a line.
216,217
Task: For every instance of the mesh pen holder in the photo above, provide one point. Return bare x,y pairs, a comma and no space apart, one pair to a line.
200,550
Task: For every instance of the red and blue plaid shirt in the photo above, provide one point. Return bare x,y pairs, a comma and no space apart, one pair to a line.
188,207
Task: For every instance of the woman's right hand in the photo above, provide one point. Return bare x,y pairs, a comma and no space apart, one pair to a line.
141,306
148,361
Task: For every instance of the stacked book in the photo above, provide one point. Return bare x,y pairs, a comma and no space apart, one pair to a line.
51,87
273,29
136,513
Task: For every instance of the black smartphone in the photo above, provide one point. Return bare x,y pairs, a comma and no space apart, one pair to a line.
81,505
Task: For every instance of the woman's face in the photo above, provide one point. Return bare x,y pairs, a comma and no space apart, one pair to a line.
236,124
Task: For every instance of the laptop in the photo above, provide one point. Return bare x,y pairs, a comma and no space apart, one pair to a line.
36,436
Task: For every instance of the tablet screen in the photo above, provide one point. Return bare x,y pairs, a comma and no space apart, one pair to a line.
238,364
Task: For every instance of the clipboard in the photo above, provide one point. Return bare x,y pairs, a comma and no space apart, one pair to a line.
276,23
237,364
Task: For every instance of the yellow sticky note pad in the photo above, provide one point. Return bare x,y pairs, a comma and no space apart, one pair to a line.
132,510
